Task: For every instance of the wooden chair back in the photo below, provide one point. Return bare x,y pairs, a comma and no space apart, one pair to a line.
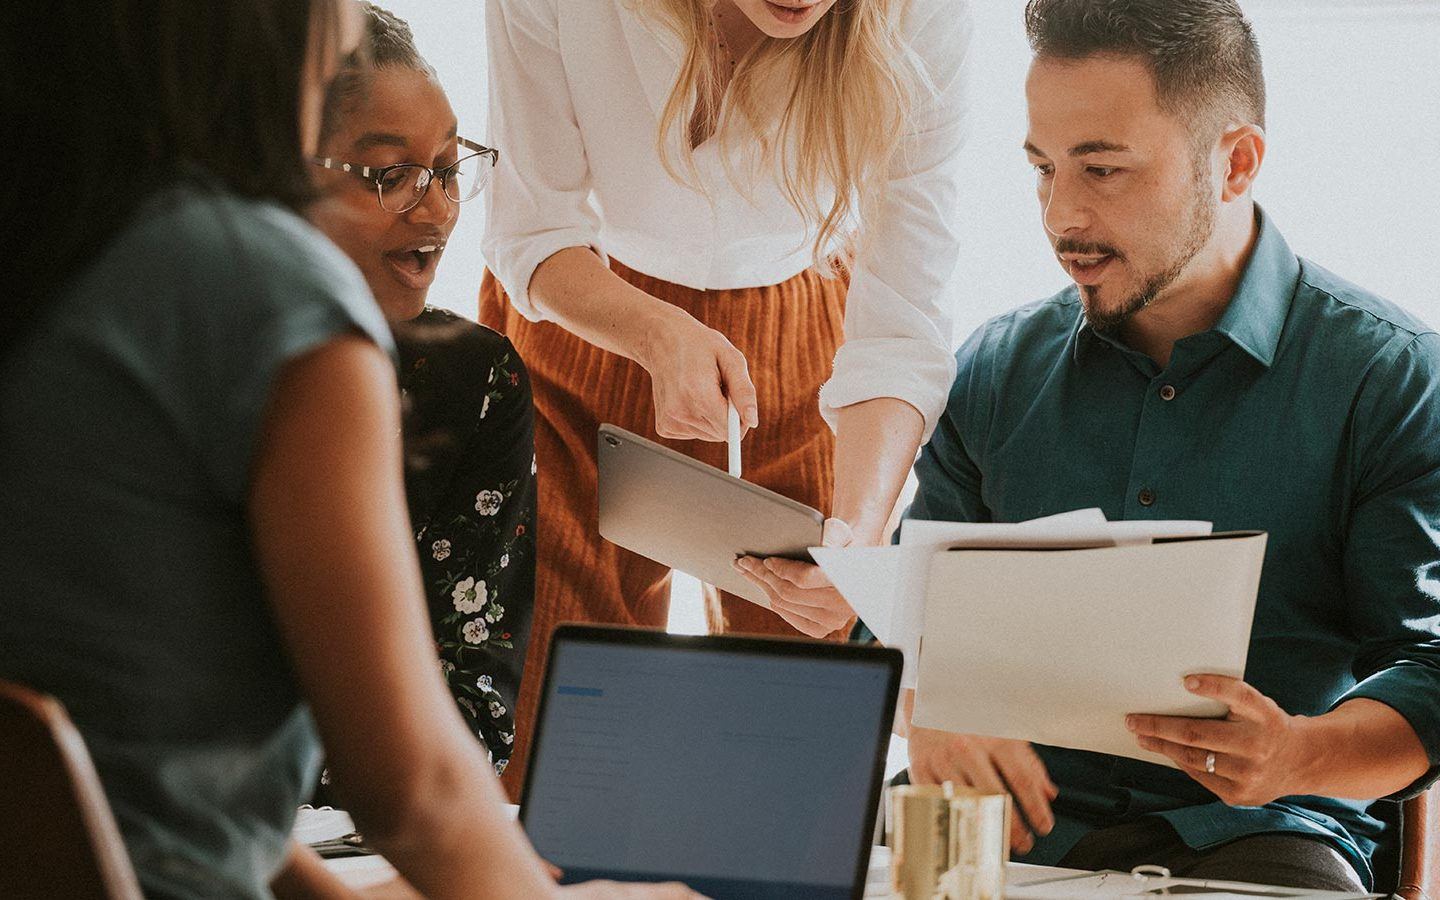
58,837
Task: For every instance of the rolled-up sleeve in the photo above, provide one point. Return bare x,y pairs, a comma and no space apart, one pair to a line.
539,202
898,316
1392,551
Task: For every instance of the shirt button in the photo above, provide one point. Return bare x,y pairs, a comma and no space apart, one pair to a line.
1146,497
1167,392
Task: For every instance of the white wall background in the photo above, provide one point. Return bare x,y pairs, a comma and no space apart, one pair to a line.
1352,176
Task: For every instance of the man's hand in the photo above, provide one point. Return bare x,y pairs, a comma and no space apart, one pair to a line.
1256,754
799,592
994,765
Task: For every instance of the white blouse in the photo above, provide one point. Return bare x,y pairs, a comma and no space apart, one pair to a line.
576,89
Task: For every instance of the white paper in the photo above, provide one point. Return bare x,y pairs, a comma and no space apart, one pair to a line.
1057,646
886,586
324,824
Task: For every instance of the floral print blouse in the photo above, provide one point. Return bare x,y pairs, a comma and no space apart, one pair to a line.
470,487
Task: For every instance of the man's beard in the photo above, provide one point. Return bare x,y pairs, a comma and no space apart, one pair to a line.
1201,221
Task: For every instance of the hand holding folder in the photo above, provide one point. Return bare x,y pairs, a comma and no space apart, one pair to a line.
1057,641
1057,646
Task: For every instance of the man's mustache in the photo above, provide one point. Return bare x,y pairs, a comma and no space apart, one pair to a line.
1083,248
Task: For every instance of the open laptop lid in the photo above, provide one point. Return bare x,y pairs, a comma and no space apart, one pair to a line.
744,767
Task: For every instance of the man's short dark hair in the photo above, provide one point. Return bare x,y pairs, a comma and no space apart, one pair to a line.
1202,53
388,44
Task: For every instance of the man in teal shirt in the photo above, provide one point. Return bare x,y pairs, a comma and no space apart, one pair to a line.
1198,370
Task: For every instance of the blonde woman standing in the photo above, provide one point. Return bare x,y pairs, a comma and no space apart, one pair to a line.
705,202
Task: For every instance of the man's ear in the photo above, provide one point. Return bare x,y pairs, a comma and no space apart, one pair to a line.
1242,148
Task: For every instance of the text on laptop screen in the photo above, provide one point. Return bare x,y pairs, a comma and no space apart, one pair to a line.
743,774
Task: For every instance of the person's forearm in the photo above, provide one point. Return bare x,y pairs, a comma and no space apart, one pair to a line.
574,289
875,446
445,814
306,878
416,782
1361,750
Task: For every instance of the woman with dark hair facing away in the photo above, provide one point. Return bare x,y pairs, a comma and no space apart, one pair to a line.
393,172
200,439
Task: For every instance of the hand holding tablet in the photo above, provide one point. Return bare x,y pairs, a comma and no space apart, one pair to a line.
693,517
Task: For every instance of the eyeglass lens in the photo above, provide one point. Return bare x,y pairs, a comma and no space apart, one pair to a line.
403,186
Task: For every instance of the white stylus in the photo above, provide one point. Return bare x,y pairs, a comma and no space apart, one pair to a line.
733,440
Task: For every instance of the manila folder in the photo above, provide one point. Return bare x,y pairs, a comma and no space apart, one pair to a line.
1056,646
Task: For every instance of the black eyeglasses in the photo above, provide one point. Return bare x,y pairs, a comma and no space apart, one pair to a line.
400,188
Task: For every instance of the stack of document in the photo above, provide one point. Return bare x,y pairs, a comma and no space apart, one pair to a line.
1053,630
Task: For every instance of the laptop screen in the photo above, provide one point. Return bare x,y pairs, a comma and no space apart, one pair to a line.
744,768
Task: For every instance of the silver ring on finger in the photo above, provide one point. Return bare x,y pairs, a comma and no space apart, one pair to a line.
1210,763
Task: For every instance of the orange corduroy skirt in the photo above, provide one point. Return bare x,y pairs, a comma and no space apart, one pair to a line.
789,333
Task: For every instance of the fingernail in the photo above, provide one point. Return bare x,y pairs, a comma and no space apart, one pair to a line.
1130,722
1191,682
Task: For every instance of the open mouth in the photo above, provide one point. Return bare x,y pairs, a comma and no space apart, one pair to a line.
1087,270
415,267
791,14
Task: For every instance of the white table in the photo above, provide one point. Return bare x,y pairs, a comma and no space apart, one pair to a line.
1023,882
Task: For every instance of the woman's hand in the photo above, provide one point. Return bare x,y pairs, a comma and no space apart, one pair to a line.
696,374
694,370
799,592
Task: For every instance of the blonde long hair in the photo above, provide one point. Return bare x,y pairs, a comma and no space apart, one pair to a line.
852,81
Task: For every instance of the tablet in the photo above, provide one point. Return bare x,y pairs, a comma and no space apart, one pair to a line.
696,518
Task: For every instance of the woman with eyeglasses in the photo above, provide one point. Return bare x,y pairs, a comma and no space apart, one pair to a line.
393,173
209,563
715,203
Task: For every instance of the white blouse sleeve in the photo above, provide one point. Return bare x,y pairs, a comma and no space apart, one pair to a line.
538,202
898,314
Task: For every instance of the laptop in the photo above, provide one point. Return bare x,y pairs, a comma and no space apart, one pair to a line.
743,767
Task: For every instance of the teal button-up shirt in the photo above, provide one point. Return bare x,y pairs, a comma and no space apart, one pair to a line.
1312,411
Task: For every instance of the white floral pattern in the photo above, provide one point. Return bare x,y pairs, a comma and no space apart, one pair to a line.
474,512
475,631
469,597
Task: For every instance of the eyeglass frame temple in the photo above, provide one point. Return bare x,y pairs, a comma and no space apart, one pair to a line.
374,174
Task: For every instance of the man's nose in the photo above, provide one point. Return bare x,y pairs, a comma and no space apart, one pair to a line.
1064,210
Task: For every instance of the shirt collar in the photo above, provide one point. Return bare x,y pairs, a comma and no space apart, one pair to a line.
1256,314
